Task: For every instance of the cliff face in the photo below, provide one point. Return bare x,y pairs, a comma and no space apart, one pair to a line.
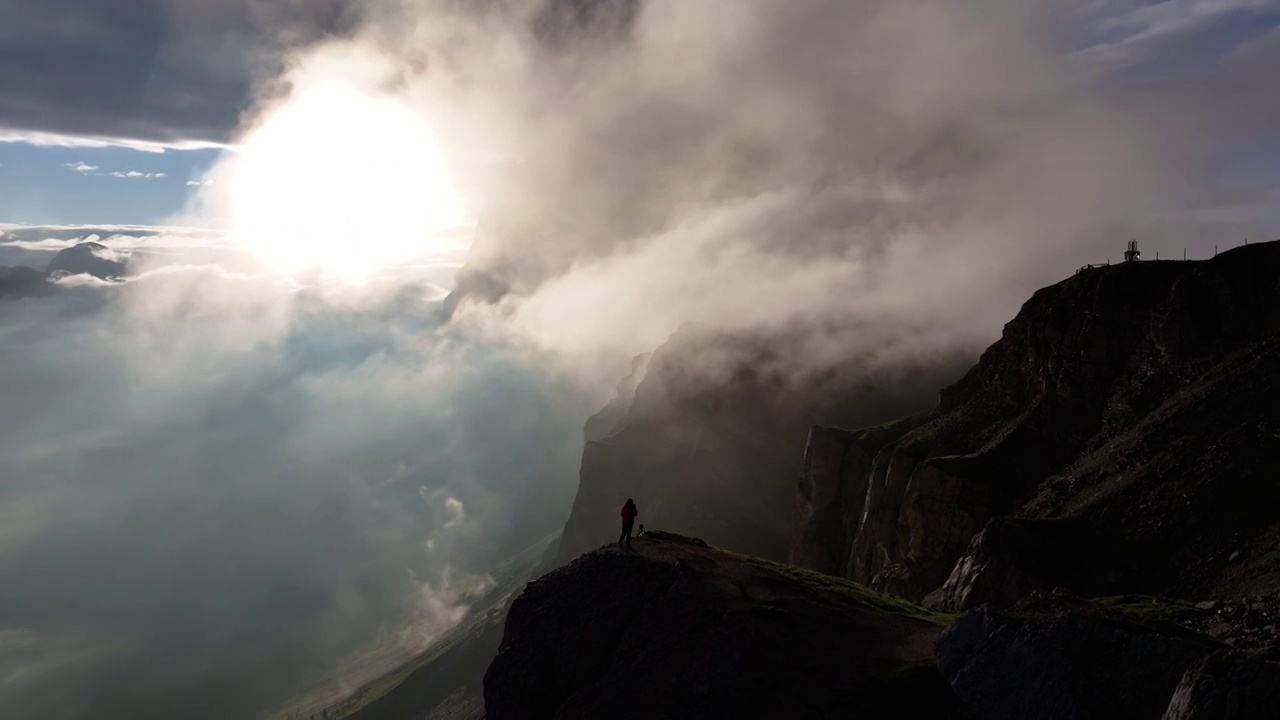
677,629
706,436
1122,435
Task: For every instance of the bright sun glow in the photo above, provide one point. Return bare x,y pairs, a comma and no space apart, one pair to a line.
344,182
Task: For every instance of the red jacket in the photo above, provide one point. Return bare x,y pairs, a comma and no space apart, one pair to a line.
629,514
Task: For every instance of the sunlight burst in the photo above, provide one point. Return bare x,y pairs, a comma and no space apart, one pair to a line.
343,182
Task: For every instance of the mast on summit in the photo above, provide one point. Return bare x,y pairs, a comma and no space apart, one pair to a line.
1132,253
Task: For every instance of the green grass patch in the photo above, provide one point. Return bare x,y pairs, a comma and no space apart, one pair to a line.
1157,613
859,595
1148,607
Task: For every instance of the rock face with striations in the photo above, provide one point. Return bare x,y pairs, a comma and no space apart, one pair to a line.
1122,436
677,629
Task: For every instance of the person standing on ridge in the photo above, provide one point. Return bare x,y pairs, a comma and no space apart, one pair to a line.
629,513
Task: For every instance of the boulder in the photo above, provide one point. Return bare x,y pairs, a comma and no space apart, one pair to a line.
1228,686
1059,658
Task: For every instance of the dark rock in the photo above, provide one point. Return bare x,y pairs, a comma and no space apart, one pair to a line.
88,258
1056,657
1135,403
1004,563
675,629
881,516
1227,686
19,282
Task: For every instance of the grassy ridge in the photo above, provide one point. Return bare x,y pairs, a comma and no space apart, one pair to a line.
859,595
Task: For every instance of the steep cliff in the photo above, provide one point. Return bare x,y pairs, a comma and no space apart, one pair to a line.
677,629
1123,435
706,435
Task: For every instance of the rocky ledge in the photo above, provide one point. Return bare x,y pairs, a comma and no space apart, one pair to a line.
677,629
674,628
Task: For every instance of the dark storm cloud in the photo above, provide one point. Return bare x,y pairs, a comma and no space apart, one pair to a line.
163,71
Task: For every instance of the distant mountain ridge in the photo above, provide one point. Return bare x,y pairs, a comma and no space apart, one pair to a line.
86,258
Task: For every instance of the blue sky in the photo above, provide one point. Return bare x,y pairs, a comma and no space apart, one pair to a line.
42,185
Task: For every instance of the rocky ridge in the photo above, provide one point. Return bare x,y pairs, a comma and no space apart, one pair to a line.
1121,437
89,258
675,628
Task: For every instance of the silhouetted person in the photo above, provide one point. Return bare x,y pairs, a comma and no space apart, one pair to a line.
629,513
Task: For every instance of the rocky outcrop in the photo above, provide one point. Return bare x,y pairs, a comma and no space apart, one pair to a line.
677,629
1007,561
1056,658
1228,686
88,258
1130,410
708,441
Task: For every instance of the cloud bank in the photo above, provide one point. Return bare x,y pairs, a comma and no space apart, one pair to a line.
219,488
922,167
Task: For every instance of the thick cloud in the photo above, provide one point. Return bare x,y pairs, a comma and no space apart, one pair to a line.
218,488
169,72
919,166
